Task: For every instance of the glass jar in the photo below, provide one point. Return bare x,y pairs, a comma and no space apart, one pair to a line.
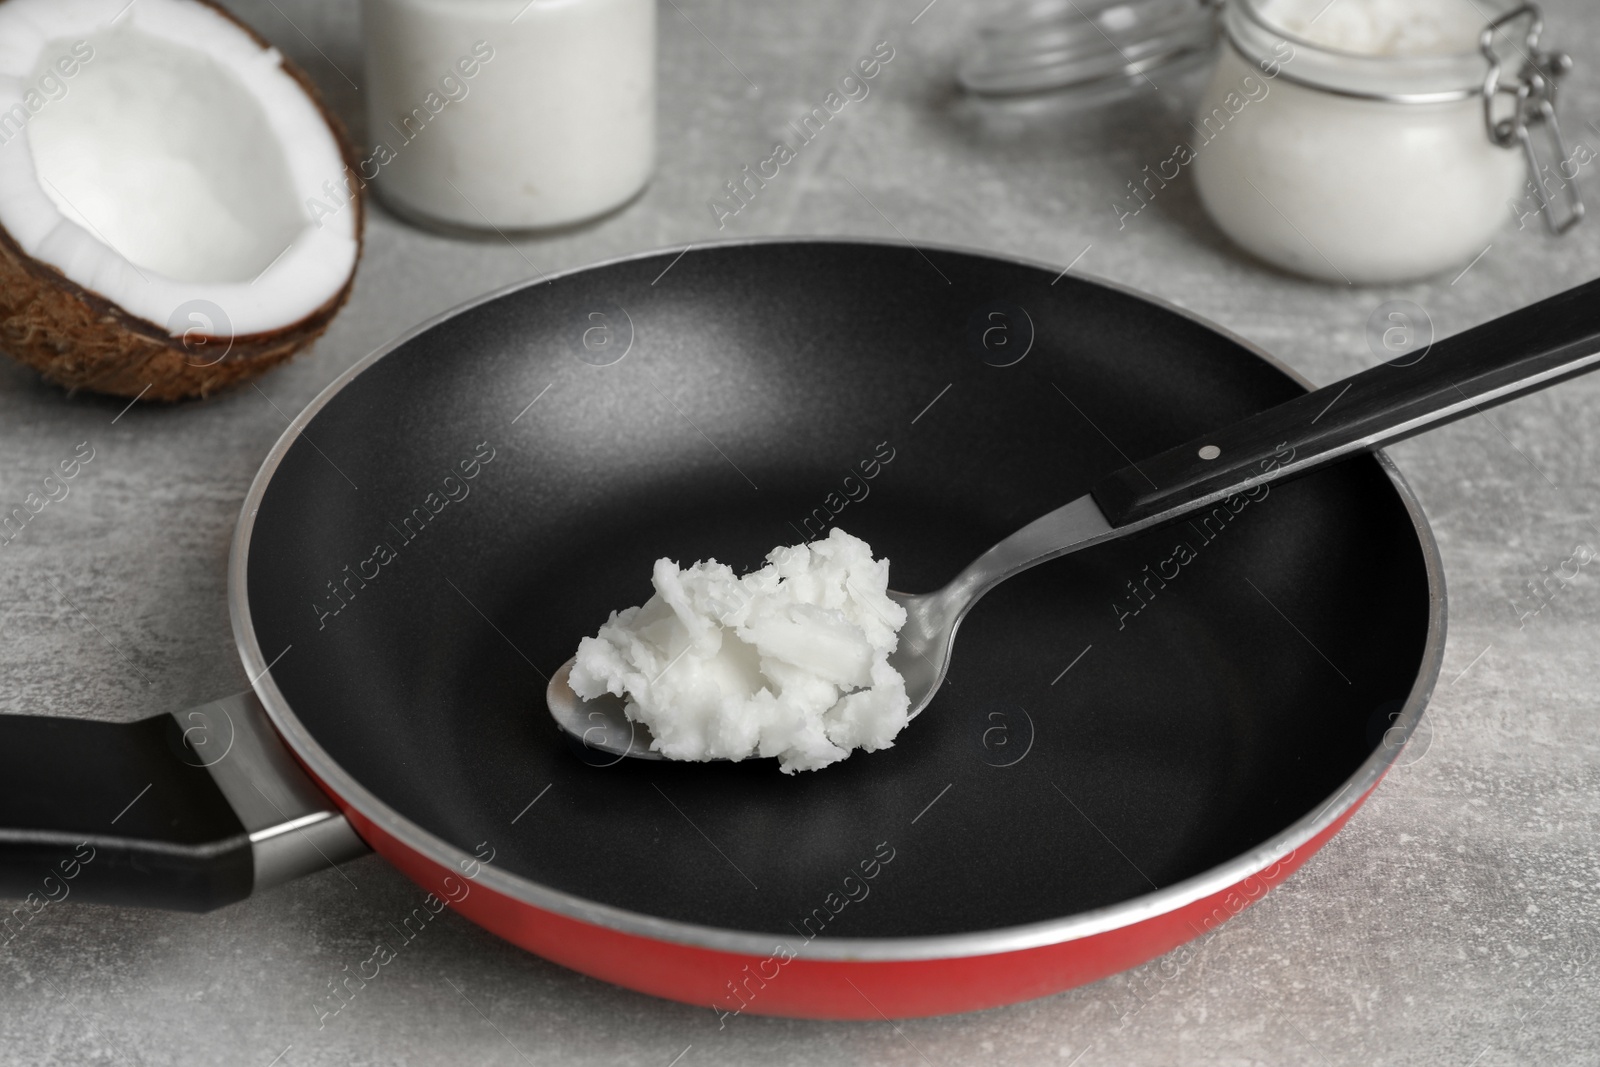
1362,168
508,114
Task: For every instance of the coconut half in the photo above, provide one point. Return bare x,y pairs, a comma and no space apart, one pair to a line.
165,180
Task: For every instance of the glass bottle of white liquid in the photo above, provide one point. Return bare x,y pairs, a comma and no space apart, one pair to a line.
508,114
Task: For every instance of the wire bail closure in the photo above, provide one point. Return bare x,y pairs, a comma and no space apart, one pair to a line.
1531,95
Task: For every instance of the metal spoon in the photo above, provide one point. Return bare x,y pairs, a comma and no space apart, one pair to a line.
1508,357
923,655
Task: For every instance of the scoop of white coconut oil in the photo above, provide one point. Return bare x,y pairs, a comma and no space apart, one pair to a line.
791,660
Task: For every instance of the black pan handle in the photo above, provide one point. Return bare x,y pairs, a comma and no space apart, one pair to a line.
1518,353
188,811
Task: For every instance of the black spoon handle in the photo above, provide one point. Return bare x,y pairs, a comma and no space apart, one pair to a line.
1518,353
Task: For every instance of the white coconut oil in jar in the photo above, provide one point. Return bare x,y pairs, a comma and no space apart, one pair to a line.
508,114
1351,142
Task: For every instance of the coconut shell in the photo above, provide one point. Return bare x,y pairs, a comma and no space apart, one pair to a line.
78,338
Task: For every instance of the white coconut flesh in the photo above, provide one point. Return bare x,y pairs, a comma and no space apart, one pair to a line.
176,167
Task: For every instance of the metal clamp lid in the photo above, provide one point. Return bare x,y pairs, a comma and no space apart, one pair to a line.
1531,96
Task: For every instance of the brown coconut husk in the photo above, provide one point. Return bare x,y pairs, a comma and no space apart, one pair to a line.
81,340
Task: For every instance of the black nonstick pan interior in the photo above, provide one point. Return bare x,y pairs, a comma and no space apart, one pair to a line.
759,383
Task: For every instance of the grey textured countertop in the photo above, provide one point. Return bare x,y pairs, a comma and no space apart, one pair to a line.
1455,921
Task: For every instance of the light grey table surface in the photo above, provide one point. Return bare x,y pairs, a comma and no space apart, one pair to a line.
1455,921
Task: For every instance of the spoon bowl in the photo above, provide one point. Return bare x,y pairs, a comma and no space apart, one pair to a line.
601,728
598,728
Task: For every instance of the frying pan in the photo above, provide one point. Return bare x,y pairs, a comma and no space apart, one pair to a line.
1122,757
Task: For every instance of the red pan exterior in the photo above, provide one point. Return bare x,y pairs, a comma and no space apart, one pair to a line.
730,983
